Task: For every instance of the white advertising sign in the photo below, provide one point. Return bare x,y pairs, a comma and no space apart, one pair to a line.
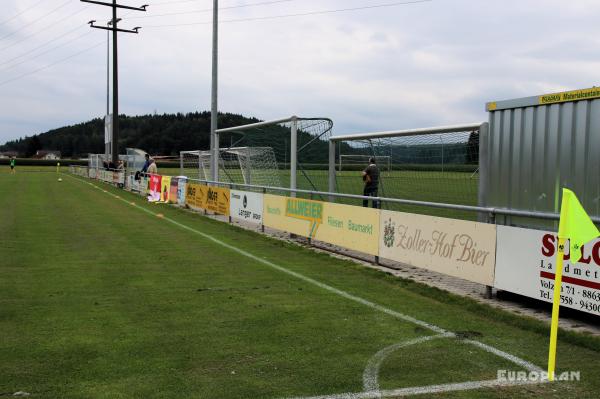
525,265
107,129
181,190
457,248
246,206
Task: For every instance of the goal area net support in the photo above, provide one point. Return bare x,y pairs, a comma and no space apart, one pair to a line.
289,152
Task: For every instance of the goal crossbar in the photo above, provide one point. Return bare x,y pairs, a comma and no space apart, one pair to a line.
407,132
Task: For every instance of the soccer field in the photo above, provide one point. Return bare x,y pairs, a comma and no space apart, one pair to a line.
104,295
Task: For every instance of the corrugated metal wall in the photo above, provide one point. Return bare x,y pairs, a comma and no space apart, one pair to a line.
535,150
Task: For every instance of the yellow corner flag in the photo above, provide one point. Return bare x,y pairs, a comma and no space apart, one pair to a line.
576,226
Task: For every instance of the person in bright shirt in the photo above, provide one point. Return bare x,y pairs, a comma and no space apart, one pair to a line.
13,164
152,169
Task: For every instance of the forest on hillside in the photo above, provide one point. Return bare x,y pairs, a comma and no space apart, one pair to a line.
168,134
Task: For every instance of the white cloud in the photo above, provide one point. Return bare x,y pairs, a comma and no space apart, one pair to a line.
379,69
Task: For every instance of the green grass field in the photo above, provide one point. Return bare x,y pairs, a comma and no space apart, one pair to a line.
102,298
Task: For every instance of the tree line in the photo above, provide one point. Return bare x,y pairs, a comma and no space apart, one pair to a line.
167,134
163,134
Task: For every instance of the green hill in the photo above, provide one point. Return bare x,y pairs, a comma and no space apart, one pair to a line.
164,134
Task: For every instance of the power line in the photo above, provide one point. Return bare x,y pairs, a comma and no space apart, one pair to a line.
43,29
22,12
41,45
52,64
35,20
263,3
47,51
163,3
309,13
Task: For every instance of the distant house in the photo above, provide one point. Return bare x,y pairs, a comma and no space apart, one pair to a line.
8,154
43,154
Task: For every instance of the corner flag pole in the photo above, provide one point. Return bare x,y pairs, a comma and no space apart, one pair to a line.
576,226
560,255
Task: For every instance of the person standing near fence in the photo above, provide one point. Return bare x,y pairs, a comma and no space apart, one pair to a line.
146,163
13,164
371,178
152,169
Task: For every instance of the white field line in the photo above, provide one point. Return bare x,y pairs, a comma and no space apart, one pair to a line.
424,390
512,358
371,373
386,393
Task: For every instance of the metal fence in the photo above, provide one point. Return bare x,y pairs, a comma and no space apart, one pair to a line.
489,214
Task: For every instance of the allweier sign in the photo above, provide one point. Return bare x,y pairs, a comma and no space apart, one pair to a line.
457,248
344,225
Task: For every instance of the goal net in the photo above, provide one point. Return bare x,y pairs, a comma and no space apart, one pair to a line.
245,165
262,153
435,165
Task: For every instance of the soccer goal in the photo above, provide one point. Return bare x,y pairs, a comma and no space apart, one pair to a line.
360,162
247,165
438,164
289,152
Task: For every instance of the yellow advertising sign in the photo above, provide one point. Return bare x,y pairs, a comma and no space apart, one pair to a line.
348,226
165,188
193,196
575,95
491,106
215,199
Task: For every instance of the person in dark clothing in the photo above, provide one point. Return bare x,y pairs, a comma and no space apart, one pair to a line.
146,164
371,178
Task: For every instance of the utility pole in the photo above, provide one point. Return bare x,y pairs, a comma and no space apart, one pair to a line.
107,133
108,139
214,137
114,28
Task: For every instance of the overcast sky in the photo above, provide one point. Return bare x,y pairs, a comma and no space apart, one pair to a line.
410,65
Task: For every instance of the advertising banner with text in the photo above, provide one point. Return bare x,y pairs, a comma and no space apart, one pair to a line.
165,188
154,188
173,190
193,196
215,199
457,248
348,226
526,262
181,191
247,206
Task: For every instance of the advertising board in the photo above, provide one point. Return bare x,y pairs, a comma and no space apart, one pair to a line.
457,248
525,265
246,206
348,226
210,198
